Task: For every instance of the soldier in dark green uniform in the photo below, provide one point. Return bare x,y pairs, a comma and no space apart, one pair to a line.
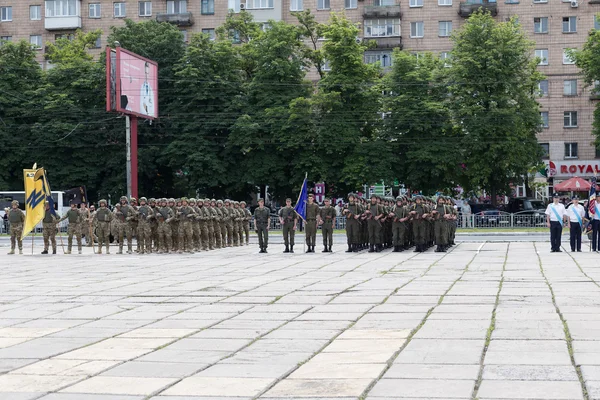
312,214
328,215
418,214
74,227
49,230
262,221
398,215
103,217
374,214
352,212
440,225
288,219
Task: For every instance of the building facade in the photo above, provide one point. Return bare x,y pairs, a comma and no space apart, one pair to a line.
415,25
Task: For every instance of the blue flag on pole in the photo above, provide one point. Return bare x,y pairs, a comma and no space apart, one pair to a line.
300,207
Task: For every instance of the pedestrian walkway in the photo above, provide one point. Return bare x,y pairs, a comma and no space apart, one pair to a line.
485,320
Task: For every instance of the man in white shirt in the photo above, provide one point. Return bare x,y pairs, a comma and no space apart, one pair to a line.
576,213
555,217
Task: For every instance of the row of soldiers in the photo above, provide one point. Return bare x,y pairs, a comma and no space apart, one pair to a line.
416,221
160,225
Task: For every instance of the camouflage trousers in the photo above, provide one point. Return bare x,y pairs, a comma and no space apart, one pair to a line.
16,230
103,232
196,235
229,231
204,241
238,234
49,232
165,242
144,237
154,236
223,230
124,231
246,230
185,236
85,232
74,229
212,237
175,236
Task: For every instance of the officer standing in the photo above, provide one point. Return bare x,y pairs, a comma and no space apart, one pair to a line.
246,222
352,213
328,215
440,225
576,214
49,230
16,217
74,228
103,218
312,214
289,220
555,218
262,221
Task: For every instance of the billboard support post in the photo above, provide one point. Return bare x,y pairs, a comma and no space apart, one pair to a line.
131,125
128,153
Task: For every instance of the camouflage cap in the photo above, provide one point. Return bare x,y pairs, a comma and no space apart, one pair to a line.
399,198
207,200
171,200
183,199
123,198
152,200
163,200
351,194
133,199
102,201
212,200
145,200
219,202
242,203
15,202
227,201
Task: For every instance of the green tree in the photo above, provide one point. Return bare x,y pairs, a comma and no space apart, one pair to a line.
418,123
311,31
588,60
492,84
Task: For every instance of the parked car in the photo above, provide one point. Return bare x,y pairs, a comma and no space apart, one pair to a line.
485,215
528,211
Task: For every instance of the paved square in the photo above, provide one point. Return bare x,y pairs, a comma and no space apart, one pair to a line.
485,320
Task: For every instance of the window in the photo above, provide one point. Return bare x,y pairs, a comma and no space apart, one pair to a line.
95,10
145,8
235,36
257,4
445,56
176,6
350,4
445,28
545,119
382,27
233,5
210,32
68,36
543,88
36,41
120,11
384,58
569,24
61,8
383,3
540,1
567,60
98,43
540,25
5,39
322,4
512,2
570,119
296,5
184,34
571,150
542,54
597,153
5,14
570,87
326,66
596,22
416,3
416,29
208,7
545,150
444,2
35,13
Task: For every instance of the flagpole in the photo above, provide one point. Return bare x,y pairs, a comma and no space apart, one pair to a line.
32,237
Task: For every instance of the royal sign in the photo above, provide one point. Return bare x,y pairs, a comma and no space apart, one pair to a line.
569,169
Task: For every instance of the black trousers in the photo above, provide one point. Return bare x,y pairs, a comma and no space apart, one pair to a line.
595,234
575,236
555,234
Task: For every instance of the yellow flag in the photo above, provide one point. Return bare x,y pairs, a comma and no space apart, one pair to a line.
35,198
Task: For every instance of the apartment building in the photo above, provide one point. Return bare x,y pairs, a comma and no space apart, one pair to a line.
415,25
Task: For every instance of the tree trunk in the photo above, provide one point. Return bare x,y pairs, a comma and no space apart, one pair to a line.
493,195
528,191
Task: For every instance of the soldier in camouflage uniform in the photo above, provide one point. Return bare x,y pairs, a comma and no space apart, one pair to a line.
186,235
217,215
229,221
246,221
439,214
153,226
204,220
74,228
16,217
398,216
85,224
164,214
288,220
174,225
103,218
49,229
419,215
222,222
195,221
125,214
237,225
328,216
352,212
144,215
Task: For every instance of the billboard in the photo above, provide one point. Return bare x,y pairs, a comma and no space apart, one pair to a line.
131,84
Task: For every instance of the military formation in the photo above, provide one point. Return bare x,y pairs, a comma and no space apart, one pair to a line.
189,225
403,223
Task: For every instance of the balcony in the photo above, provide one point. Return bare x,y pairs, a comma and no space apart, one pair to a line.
62,23
466,9
390,42
392,11
181,19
